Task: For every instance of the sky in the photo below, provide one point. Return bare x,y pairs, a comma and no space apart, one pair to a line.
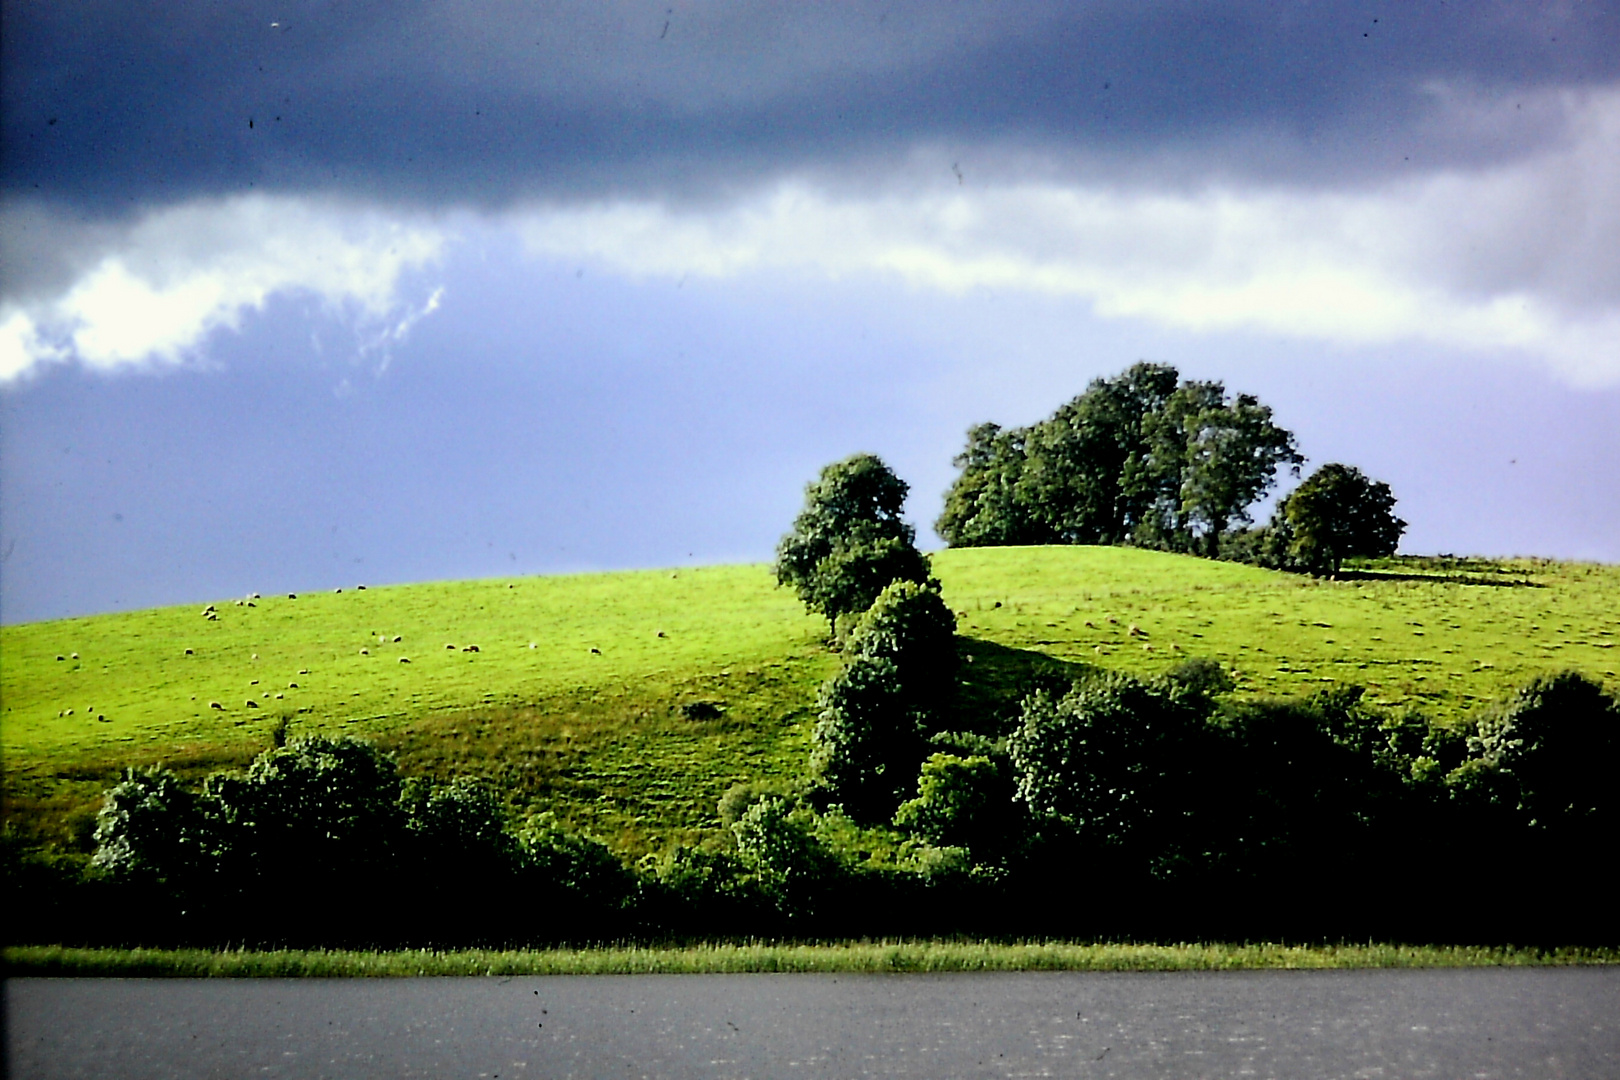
305,294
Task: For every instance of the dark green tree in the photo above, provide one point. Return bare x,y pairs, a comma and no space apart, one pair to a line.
910,626
1074,478
849,541
867,740
1140,458
1336,514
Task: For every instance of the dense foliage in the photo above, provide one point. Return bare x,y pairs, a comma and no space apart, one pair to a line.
1119,806
1140,458
1336,514
849,541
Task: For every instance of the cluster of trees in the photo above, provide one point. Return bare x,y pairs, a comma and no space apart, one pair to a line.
1145,458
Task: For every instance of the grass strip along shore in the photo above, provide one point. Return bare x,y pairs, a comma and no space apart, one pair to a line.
873,957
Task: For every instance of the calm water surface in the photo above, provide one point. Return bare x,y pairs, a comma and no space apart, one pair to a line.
1539,1023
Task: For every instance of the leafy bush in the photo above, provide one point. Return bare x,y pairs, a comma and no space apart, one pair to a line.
963,802
318,808
867,740
1114,759
562,864
777,843
457,829
1549,754
153,830
910,626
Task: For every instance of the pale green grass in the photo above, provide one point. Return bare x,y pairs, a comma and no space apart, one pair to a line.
588,721
708,959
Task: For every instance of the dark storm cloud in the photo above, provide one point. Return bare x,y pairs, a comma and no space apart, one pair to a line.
112,105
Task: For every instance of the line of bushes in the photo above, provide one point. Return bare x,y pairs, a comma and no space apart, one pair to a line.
1115,807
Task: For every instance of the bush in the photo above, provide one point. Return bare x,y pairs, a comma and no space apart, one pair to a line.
458,829
579,870
910,626
867,740
778,845
1548,753
150,829
318,809
963,802
1115,759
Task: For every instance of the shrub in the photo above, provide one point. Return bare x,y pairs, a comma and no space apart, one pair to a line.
153,830
1113,759
778,845
963,802
569,865
1552,748
457,829
910,626
318,808
867,740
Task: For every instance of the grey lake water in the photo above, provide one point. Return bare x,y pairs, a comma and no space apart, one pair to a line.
1489,1023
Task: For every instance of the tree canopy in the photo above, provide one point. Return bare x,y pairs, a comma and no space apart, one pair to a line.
1338,513
849,541
1138,458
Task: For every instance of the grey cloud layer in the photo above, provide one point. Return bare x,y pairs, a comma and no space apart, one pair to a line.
112,104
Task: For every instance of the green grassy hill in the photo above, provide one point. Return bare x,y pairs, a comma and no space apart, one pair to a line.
574,696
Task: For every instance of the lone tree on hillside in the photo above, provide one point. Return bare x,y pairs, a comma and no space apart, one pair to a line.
1336,514
849,541
1139,458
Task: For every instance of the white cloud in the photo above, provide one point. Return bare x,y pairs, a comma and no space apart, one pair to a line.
152,292
1517,258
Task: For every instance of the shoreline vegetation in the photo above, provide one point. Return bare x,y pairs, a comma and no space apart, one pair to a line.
735,958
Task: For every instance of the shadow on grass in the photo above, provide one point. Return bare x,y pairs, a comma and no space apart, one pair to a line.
1437,579
995,679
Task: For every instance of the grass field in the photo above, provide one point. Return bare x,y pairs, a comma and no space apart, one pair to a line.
708,959
573,698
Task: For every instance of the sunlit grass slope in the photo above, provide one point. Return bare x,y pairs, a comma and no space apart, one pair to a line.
574,696
1440,636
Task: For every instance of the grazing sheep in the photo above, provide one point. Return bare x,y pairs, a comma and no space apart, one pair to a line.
660,633
365,652
531,645
280,696
68,713
449,645
59,655
254,596
361,588
470,648
404,659
215,705
292,596
238,603
102,719
398,638
73,656
252,704
292,686
255,656
303,671
252,604
595,651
